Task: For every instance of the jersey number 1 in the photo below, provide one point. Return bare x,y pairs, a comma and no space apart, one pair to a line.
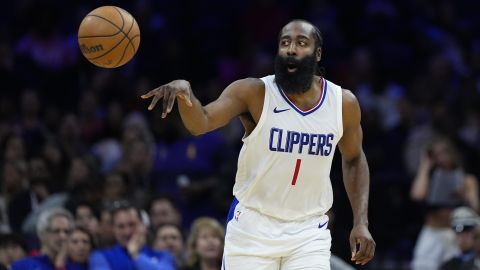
295,174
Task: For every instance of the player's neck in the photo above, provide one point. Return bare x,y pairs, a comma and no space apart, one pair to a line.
308,98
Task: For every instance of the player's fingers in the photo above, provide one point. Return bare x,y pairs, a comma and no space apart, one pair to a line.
166,97
353,248
189,101
149,94
171,101
361,251
186,98
369,252
153,103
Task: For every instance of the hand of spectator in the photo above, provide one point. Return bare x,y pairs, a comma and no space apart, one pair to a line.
61,258
170,91
137,241
426,161
362,245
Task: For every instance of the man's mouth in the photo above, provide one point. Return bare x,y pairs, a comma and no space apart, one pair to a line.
291,68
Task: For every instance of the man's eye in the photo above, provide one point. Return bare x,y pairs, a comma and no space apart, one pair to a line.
284,43
302,43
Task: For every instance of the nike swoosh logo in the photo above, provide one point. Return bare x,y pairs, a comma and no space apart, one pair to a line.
322,225
275,110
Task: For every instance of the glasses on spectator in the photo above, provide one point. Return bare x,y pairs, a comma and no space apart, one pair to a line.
58,231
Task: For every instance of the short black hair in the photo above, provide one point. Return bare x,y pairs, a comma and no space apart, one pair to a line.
12,239
123,205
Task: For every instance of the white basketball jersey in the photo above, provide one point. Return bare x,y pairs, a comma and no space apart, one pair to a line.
284,164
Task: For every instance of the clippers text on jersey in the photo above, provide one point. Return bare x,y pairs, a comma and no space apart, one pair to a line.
299,142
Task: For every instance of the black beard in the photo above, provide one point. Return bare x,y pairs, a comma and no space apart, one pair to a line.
299,81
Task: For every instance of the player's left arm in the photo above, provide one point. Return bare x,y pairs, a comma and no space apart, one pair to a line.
356,179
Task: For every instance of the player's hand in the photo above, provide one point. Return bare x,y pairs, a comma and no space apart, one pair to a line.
361,244
169,92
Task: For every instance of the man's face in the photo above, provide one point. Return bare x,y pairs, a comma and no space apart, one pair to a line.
125,225
169,238
79,246
56,234
162,212
86,219
466,239
297,58
10,253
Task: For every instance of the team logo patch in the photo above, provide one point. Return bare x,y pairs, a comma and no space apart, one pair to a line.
237,214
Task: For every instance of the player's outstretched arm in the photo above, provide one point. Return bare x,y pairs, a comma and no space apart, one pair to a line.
199,119
356,179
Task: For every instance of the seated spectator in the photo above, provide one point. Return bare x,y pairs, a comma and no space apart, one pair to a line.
116,187
130,252
87,217
169,237
442,185
164,210
75,255
205,245
53,228
106,238
12,248
463,221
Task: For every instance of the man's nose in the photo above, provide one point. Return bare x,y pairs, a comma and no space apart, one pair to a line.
292,49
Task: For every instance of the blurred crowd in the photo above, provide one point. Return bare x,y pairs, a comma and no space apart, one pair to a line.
79,137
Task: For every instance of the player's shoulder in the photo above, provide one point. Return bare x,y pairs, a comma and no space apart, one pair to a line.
348,98
350,107
247,88
250,83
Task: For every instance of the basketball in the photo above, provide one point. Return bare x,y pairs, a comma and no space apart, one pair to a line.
109,37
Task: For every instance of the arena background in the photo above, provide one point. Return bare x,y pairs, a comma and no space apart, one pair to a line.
414,66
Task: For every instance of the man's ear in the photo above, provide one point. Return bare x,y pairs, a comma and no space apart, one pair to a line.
318,54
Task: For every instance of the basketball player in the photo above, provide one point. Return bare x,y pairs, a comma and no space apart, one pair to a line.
293,121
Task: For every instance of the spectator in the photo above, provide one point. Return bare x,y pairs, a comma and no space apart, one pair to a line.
169,237
464,222
164,210
205,245
75,257
116,187
14,182
12,248
442,185
130,252
87,217
106,238
53,228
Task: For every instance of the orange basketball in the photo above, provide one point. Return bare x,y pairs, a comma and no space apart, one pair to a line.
109,37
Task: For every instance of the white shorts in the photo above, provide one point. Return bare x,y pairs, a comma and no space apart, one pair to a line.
260,242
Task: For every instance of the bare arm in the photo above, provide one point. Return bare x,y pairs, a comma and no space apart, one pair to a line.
471,191
420,185
356,179
199,119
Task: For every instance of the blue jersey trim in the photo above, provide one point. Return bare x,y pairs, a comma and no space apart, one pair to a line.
231,212
309,111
